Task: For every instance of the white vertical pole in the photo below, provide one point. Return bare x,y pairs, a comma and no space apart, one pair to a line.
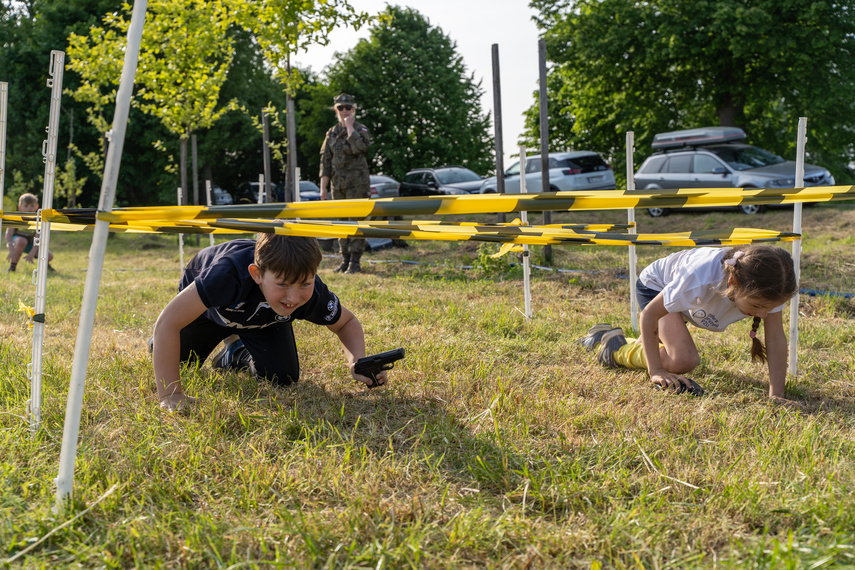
180,238
209,201
42,239
630,218
524,219
65,477
797,246
297,175
4,101
261,188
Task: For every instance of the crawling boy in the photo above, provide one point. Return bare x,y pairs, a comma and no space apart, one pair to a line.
19,241
253,289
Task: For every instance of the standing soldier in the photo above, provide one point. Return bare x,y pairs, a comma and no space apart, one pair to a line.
343,163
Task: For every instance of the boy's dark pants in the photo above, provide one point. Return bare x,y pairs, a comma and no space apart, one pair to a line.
270,353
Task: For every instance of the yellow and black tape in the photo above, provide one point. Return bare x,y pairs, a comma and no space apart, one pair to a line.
250,217
458,205
556,234
479,204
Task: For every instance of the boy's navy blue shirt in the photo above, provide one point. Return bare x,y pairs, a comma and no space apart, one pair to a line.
235,300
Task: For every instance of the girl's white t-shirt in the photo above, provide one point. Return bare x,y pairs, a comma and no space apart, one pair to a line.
692,282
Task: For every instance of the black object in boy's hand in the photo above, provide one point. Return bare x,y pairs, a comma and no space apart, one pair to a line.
371,365
694,388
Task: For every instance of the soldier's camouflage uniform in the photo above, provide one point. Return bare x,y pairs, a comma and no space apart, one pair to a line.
343,161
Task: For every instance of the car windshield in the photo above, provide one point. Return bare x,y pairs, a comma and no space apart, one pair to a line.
745,157
455,175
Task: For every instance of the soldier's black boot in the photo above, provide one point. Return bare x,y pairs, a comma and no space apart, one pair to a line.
345,261
354,263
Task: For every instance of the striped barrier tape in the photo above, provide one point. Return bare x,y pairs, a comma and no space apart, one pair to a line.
555,234
470,204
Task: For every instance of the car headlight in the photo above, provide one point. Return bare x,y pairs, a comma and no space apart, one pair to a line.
781,183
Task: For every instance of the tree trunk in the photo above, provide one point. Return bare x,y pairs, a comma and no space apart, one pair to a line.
183,166
730,112
195,177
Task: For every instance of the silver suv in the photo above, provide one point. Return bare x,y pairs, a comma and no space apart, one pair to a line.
568,172
712,158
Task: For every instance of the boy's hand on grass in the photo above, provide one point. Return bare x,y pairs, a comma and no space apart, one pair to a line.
381,378
791,404
177,402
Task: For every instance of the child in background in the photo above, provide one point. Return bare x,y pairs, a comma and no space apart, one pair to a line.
712,288
19,241
248,292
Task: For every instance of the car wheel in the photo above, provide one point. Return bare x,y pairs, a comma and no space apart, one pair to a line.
658,212
489,191
751,209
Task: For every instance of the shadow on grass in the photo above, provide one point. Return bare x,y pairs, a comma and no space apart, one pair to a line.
380,422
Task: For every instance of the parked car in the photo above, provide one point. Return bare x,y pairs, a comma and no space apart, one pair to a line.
247,193
383,186
220,197
568,171
452,180
309,191
714,157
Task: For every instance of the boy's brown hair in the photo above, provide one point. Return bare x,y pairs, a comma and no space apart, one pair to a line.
292,258
27,198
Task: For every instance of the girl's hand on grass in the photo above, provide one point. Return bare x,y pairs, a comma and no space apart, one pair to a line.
791,404
669,381
177,402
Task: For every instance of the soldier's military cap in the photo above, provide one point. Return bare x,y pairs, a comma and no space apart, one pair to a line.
344,99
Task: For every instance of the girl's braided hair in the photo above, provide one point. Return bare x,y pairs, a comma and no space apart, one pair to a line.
759,272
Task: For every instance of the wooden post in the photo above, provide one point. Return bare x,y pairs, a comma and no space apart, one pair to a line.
497,126
266,153
544,142
195,166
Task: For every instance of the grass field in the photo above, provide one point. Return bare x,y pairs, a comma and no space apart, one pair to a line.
498,442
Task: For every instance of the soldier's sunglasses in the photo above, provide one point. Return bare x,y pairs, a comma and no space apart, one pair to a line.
344,107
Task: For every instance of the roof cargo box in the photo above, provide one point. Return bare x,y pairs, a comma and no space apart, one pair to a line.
697,137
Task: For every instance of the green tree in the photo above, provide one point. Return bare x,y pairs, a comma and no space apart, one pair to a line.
67,185
184,59
230,150
314,117
28,32
414,95
282,27
621,65
308,147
